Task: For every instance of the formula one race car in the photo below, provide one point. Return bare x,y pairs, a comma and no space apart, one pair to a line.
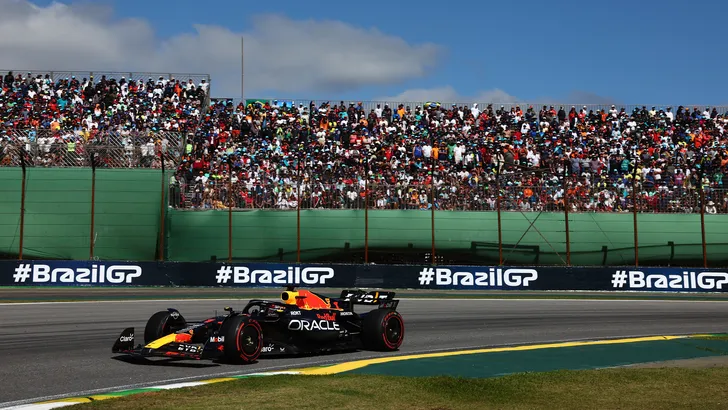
303,322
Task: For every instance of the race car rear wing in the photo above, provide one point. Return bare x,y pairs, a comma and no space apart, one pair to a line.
384,299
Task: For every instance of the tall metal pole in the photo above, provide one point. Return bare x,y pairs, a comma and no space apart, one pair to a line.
366,210
634,213
161,212
93,204
566,218
242,69
702,219
22,204
298,210
230,214
498,209
432,199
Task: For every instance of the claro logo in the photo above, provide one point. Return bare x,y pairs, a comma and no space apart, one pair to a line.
97,274
129,338
315,325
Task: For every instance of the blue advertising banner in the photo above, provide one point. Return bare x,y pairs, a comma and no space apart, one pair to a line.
570,278
670,279
277,275
114,273
257,275
76,273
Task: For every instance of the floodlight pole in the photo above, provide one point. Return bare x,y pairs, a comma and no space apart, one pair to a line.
242,69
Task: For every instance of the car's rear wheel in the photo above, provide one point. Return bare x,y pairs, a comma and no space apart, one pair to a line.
243,339
163,323
383,330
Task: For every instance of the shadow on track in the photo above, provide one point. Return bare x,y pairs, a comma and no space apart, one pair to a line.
143,361
194,364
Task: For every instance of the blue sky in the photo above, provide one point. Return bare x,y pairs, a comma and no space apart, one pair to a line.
638,52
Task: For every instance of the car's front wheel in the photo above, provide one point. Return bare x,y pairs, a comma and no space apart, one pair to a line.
162,324
243,339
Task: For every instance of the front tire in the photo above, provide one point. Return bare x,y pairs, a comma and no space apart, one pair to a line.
243,339
382,330
162,324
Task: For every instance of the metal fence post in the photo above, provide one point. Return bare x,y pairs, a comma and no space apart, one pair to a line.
498,210
230,216
566,219
22,204
366,210
93,204
161,214
298,210
432,199
634,213
702,217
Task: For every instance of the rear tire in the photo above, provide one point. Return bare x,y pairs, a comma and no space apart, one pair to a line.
243,339
162,324
382,330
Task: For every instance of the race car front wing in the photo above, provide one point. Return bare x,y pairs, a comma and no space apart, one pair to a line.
170,346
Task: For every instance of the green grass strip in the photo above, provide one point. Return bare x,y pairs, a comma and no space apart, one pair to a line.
667,388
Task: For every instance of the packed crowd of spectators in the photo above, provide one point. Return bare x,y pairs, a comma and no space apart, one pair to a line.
271,154
56,122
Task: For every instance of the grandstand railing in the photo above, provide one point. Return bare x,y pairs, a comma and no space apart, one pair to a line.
213,193
518,207
534,220
64,149
57,75
537,106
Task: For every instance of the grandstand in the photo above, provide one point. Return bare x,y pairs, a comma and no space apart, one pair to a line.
589,151
318,155
57,119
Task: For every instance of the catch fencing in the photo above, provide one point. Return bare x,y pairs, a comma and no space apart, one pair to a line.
58,75
552,225
70,149
137,214
214,193
367,106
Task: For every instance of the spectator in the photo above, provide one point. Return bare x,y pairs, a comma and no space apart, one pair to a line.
279,154
64,117
337,151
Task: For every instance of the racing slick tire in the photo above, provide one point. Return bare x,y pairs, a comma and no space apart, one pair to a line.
243,339
163,323
382,330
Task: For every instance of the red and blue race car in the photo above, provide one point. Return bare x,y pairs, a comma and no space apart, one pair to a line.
302,322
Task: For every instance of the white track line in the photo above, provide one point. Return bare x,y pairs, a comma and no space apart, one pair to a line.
655,298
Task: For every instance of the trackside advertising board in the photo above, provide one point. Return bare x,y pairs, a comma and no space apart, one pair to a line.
276,275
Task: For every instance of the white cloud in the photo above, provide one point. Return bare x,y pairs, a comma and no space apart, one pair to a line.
448,94
283,56
586,97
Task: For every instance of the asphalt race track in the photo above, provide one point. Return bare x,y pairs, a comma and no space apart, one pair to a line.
56,349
